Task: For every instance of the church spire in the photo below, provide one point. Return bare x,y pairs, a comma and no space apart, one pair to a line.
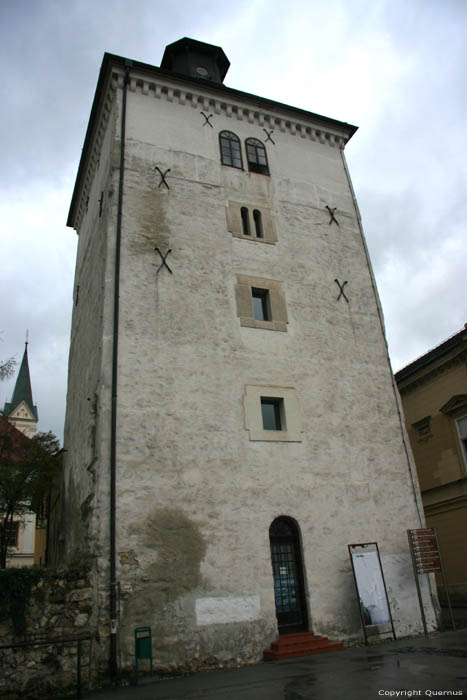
22,394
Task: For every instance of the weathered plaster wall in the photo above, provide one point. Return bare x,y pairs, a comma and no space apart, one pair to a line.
184,364
195,495
85,481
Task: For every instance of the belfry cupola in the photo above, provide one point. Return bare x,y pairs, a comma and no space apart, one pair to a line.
21,411
196,59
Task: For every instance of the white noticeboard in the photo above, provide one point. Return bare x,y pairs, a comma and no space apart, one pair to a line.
371,588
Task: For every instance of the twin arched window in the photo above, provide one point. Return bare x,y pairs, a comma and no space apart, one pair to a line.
257,219
231,153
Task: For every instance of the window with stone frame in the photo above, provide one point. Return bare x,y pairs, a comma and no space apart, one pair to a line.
272,413
258,219
261,303
252,222
231,150
245,214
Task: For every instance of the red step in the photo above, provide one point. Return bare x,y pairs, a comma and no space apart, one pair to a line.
301,644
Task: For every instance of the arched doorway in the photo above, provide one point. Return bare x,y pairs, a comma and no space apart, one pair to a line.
289,590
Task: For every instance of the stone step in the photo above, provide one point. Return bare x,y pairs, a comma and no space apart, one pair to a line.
300,644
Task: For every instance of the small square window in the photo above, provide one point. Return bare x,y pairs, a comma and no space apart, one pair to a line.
272,414
261,305
272,411
423,428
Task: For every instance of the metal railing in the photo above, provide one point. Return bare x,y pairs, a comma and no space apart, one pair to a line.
62,641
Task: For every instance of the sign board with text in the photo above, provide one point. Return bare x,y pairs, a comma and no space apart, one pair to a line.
426,559
369,580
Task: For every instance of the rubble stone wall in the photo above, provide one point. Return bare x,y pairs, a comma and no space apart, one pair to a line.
58,606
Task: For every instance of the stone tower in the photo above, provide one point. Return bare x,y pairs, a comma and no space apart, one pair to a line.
232,422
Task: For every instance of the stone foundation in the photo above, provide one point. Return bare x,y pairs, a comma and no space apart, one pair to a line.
58,606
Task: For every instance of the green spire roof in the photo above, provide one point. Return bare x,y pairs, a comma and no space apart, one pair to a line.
23,391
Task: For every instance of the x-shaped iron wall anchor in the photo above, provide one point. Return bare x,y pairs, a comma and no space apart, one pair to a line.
333,218
341,290
163,180
163,258
268,134
100,204
207,120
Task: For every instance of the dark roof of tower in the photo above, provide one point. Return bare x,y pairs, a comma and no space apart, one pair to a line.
23,391
179,56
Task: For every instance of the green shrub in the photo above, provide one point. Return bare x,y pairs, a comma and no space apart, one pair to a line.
15,591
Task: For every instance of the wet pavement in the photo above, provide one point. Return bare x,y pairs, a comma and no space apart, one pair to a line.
410,667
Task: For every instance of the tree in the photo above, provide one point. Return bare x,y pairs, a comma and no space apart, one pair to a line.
27,469
7,368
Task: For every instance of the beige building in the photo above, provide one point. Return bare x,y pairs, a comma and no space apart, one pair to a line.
232,421
433,389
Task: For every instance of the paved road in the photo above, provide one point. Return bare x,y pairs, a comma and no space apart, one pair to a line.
437,663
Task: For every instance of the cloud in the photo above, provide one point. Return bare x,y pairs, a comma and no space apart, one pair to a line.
36,287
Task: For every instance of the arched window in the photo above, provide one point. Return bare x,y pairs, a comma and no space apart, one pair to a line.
231,152
256,156
258,223
245,221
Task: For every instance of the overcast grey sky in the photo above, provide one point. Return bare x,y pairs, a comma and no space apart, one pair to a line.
395,68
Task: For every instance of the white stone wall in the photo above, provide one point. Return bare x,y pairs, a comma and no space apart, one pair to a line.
84,502
196,496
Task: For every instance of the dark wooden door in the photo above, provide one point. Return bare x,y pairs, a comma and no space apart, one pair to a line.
288,576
